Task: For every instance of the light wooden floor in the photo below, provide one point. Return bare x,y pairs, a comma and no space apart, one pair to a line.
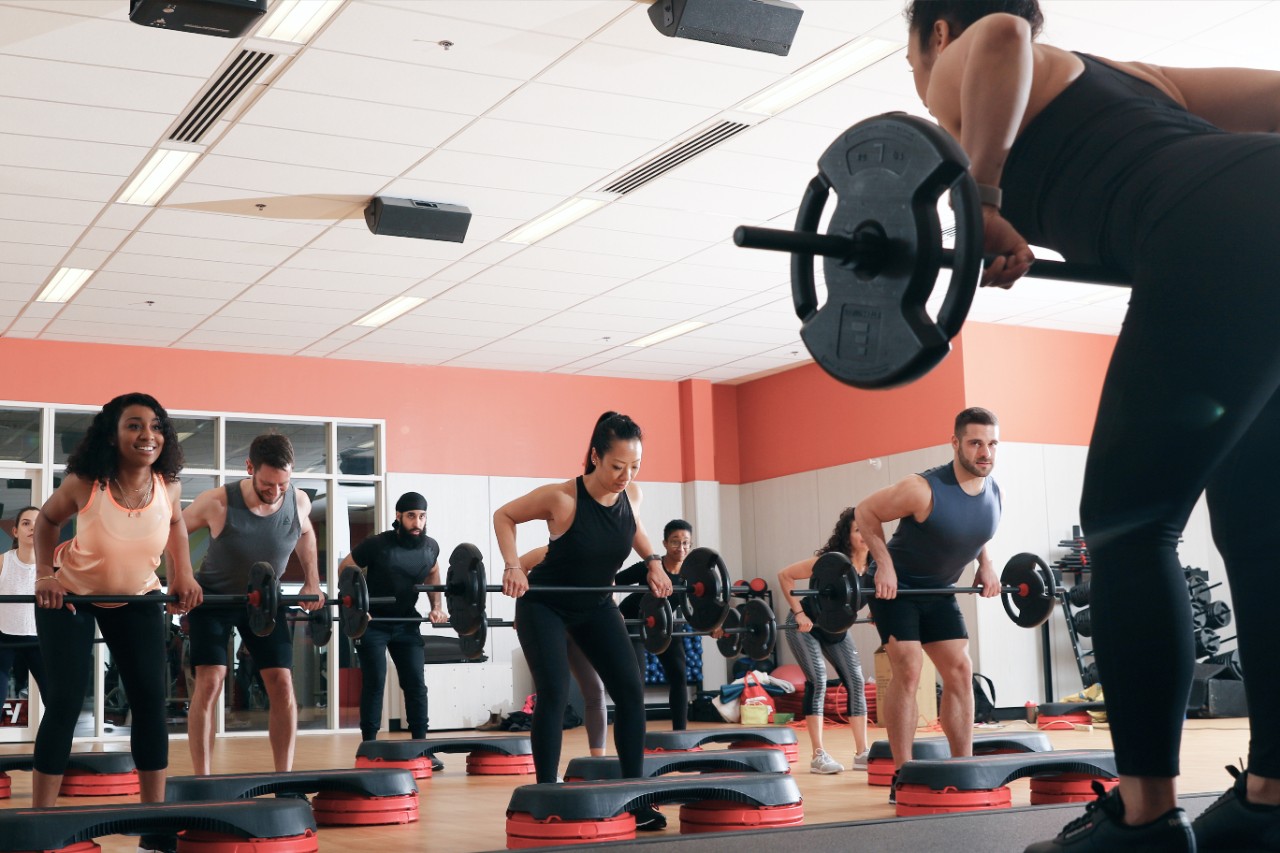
461,814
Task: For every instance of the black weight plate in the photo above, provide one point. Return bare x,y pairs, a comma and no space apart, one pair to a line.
1218,615
888,173
730,645
761,629
1033,604
320,627
1084,622
839,597
656,621
707,581
465,589
264,599
1079,594
353,603
473,643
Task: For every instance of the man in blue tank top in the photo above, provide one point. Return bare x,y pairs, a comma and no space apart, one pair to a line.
946,516
261,519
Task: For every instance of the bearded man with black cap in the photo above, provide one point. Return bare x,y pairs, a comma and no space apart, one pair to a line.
394,562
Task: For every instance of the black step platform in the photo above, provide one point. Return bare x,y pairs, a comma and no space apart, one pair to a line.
590,768
88,762
986,772
58,827
241,786
407,750
929,748
779,737
598,801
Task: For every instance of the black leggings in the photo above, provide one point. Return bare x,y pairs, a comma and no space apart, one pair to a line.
1190,403
135,634
404,642
602,637
673,665
20,649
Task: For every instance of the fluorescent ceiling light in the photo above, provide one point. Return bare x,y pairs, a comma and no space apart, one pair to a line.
296,20
64,284
820,74
553,220
668,333
165,168
391,310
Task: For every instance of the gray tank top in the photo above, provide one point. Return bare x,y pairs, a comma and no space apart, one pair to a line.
934,553
246,539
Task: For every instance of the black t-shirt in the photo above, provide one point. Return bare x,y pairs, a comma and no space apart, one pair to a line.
393,570
637,574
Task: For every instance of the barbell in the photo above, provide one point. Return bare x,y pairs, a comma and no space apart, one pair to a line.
883,252
1028,589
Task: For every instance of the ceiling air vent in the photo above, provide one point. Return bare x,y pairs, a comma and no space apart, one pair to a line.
672,157
221,94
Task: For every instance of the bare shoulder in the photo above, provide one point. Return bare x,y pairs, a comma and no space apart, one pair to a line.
304,501
634,494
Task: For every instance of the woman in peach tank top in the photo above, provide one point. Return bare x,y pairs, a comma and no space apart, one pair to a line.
122,485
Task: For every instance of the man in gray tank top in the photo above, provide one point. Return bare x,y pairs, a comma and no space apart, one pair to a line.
946,516
261,519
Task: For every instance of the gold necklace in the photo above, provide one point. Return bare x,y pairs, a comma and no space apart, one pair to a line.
135,510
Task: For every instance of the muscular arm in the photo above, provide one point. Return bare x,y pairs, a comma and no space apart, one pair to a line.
180,579
550,503
995,87
787,579
65,502
1241,100
911,496
308,553
209,510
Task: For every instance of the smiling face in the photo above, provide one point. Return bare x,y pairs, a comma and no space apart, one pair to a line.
139,437
269,483
678,545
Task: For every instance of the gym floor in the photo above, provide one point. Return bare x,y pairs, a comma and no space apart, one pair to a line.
462,814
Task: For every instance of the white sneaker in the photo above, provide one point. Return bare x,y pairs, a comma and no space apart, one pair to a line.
860,760
825,764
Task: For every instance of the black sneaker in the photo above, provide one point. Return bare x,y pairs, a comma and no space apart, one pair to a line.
893,790
1233,823
436,765
648,819
1102,828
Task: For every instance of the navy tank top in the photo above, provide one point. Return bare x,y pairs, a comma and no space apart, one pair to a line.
1097,168
589,553
934,552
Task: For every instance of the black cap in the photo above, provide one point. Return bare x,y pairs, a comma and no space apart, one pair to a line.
411,501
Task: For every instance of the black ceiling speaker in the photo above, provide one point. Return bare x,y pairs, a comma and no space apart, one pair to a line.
765,25
425,220
224,18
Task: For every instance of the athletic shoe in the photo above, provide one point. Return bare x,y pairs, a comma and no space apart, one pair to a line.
436,765
893,789
1233,823
1102,828
648,819
860,760
825,764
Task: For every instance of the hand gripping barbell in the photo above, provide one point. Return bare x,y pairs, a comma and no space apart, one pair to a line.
1028,591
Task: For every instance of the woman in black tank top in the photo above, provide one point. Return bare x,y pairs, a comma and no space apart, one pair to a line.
593,529
1169,175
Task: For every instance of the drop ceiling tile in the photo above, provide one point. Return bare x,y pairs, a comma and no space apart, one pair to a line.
458,271
1175,23
254,341
627,216
87,123
206,249
267,326
337,281
99,294
483,312
542,143
621,328
354,118
215,344
569,18
361,241
185,268
392,265
686,294
127,216
508,173
763,335
76,186
506,361
650,117
258,176
403,337
312,315
501,203
160,286
509,275
40,233
741,201
69,82
785,140
23,273
122,318
135,333
218,226
103,239
486,294
411,35
288,296
30,208
426,326
580,238
624,71
586,263
85,259
371,78
277,145
13,291
556,335
732,278
94,157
